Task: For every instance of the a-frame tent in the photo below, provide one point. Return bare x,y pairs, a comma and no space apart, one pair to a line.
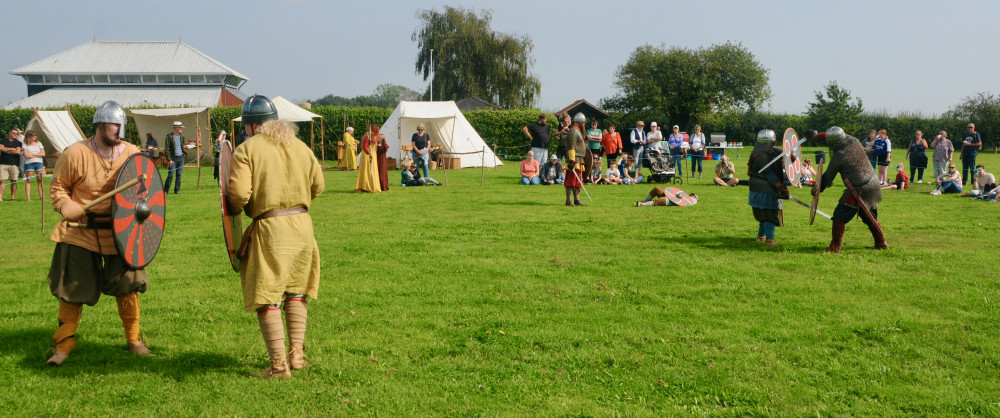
446,126
56,130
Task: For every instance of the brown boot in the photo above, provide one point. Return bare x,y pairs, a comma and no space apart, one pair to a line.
274,338
838,236
569,196
576,197
139,348
277,370
880,243
57,359
770,243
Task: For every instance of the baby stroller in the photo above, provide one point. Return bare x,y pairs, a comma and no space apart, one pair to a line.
661,167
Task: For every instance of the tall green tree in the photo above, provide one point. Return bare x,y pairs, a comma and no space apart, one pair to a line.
385,95
833,107
470,59
686,85
983,109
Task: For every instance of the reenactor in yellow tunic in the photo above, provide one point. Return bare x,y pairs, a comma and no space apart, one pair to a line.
86,263
273,178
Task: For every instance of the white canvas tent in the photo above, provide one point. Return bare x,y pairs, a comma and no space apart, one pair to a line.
56,130
160,122
290,112
445,124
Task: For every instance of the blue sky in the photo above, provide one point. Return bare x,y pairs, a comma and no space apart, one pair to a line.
913,56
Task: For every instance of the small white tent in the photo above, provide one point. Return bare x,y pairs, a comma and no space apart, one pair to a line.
290,112
445,124
56,130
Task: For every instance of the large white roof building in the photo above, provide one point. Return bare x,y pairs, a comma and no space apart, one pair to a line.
133,73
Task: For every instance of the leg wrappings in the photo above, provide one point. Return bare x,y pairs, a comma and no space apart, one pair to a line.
69,320
128,311
296,312
273,332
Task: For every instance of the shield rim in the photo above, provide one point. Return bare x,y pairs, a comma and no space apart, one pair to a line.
230,222
154,188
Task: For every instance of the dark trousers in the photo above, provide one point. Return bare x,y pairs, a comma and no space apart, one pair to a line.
968,167
178,168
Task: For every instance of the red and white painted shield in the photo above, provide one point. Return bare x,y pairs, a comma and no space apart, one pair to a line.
793,166
679,197
138,212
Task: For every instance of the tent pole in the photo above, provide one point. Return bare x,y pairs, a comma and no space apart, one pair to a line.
322,140
482,173
41,197
197,148
312,137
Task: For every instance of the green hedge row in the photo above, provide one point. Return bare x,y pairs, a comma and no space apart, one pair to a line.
502,129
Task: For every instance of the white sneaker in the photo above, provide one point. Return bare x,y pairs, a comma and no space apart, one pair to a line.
935,192
920,181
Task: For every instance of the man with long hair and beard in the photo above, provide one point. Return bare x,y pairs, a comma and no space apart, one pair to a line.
273,179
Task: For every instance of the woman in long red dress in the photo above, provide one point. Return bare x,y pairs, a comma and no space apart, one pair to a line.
383,169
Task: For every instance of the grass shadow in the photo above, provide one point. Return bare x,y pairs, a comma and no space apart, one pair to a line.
722,242
27,347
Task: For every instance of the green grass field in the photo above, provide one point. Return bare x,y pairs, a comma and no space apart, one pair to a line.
498,300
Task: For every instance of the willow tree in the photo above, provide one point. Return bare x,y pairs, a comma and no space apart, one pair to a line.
470,59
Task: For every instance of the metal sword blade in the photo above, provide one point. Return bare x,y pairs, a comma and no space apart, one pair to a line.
794,199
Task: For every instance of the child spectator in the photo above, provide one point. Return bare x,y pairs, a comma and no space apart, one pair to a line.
902,180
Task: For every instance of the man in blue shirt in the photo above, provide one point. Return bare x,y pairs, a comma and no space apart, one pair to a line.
174,148
970,150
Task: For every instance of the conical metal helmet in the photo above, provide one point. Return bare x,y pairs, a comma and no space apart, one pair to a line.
110,112
834,135
766,135
579,117
258,109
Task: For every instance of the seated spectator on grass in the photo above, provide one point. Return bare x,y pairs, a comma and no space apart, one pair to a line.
630,173
596,175
411,177
612,176
992,195
725,172
808,173
562,176
902,180
529,170
949,182
982,183
551,170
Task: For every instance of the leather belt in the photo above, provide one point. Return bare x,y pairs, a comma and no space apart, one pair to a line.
241,253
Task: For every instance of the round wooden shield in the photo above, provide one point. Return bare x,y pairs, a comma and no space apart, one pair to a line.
138,212
793,159
232,224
